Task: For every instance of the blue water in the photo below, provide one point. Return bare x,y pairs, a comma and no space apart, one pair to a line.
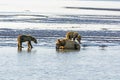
98,58
43,63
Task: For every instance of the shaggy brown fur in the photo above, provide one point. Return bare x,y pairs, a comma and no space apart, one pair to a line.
24,38
73,35
66,44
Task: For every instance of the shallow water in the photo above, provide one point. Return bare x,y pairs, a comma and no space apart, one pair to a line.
44,63
96,60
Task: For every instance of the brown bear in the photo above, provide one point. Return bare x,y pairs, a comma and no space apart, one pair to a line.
24,38
73,35
66,44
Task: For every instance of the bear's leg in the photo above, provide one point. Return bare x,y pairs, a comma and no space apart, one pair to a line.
79,41
20,45
75,36
29,44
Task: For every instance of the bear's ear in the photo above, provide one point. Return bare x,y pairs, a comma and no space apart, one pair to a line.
58,40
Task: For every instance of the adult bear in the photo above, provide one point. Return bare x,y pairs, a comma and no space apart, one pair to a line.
24,38
67,44
73,35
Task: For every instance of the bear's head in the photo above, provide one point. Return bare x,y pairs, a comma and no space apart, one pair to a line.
34,40
60,42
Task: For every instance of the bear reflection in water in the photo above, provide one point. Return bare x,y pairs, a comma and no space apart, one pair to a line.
28,50
67,50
